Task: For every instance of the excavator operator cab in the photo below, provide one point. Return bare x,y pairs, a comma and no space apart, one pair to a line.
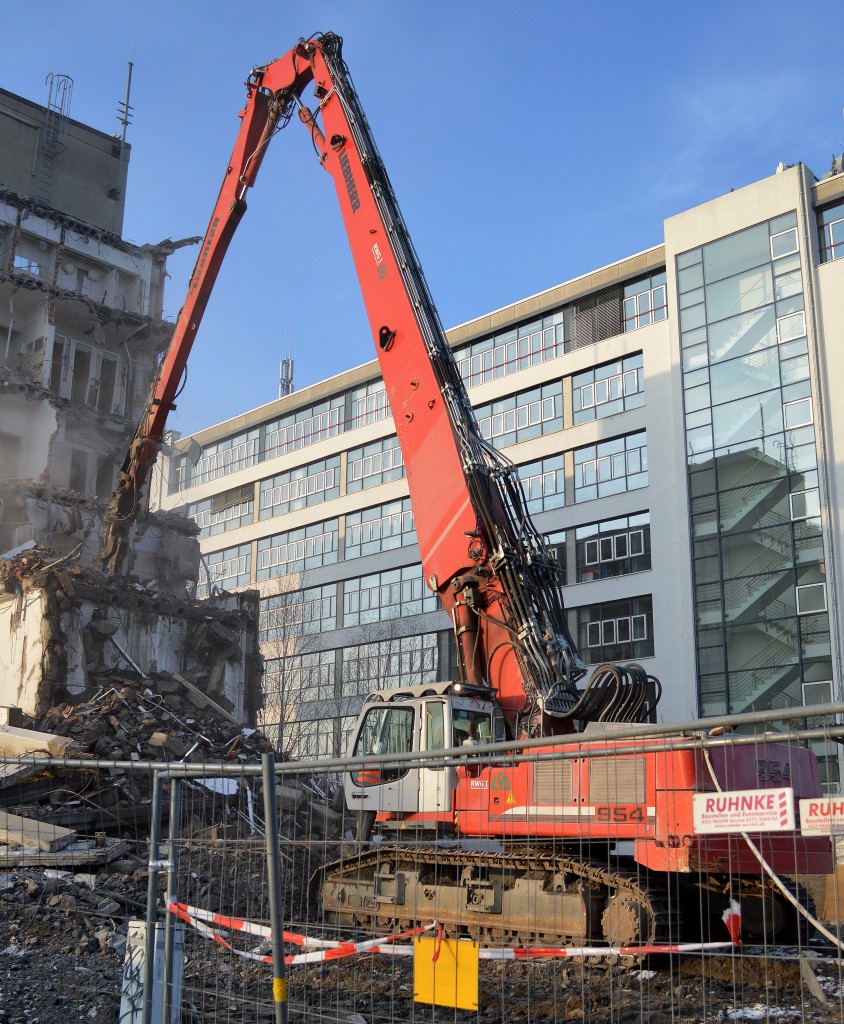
415,720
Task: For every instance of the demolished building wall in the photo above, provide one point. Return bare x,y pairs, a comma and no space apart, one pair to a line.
79,334
71,631
81,337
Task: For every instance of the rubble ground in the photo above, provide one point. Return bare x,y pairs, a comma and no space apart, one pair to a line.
58,962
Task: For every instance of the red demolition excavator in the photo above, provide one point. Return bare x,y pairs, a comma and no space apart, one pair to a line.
592,840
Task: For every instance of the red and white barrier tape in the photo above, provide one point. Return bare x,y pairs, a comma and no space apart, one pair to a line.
237,924
325,949
562,952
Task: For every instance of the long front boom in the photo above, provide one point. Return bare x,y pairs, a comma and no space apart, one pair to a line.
479,549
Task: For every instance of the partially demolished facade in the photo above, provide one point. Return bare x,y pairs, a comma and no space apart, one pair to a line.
81,332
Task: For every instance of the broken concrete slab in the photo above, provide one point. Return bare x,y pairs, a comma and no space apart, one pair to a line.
288,798
196,696
29,832
11,716
81,852
15,774
16,742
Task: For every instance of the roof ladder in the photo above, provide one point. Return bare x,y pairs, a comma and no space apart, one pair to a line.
51,138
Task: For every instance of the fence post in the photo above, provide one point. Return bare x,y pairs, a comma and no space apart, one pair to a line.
152,897
172,886
274,877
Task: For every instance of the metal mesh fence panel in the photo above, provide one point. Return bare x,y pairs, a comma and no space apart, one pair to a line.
606,877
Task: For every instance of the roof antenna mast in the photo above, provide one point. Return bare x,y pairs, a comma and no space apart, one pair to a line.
124,115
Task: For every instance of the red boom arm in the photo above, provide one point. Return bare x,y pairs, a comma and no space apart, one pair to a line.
480,552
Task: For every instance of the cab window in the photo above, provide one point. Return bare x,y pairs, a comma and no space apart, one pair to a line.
386,730
434,729
499,726
471,727
434,732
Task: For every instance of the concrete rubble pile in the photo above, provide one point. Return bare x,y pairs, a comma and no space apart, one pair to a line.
90,812
71,913
74,840
73,629
161,719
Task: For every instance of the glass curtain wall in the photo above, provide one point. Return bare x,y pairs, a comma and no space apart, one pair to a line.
762,627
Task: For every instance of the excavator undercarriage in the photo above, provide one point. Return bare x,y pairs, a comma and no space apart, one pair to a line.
533,896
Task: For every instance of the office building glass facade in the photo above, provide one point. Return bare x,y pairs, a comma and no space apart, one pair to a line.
762,628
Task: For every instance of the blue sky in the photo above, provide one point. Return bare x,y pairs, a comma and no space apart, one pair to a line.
527,143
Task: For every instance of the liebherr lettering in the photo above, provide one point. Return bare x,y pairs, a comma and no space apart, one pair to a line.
203,256
349,179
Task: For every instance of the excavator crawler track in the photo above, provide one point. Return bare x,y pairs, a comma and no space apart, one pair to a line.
523,896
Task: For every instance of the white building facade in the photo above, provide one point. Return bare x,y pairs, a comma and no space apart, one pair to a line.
675,419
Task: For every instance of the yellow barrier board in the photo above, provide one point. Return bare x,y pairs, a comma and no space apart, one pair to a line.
445,972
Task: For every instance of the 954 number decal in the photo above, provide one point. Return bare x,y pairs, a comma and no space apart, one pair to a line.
619,814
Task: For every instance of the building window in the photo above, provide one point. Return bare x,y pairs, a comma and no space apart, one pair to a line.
522,417
614,547
369,404
296,550
229,455
384,664
811,598
544,483
287,616
222,570
616,630
501,354
784,243
760,602
819,692
797,414
299,679
645,302
791,326
303,740
391,594
831,231
380,528
611,467
298,691
223,512
608,389
805,504
27,265
374,464
826,751
300,488
302,428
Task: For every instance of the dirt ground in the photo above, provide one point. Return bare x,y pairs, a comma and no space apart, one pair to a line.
63,940
45,981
